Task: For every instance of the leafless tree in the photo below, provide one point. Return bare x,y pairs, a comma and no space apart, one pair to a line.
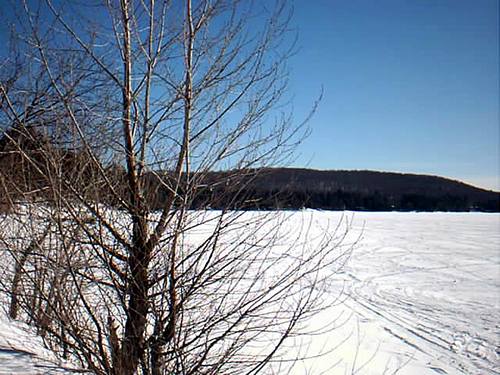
115,119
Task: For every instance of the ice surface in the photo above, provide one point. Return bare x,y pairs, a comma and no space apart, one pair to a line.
422,296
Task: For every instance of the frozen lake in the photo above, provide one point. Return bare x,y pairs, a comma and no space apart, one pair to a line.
420,295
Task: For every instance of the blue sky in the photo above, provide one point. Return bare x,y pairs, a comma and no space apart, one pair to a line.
409,86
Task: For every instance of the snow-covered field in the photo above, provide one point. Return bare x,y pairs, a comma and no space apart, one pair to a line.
420,295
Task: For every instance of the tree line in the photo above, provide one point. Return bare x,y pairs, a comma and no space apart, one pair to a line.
253,189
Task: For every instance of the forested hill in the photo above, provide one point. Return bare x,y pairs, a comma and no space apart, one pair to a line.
270,188
362,190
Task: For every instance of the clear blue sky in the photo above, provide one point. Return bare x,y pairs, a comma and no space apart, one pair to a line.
409,86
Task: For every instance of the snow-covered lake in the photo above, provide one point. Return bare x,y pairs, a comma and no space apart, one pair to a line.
422,291
421,295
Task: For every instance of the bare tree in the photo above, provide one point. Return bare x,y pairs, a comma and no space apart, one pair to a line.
129,107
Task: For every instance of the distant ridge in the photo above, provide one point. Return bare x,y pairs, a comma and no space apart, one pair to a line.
262,189
294,188
356,179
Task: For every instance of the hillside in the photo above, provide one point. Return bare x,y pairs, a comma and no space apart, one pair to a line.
270,188
358,190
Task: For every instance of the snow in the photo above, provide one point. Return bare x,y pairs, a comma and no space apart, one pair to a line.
422,296
22,352
419,295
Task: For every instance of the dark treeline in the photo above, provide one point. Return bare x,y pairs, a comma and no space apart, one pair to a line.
264,189
289,188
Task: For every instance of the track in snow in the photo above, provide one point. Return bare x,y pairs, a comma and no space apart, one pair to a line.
432,282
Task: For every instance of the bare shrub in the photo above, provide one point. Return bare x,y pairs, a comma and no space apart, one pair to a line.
121,110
